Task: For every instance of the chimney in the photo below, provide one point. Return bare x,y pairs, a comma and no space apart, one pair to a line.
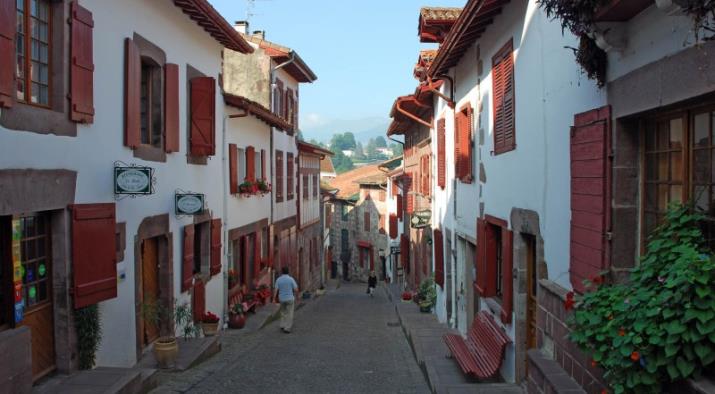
260,34
241,26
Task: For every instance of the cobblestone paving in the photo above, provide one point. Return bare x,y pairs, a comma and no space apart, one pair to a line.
341,343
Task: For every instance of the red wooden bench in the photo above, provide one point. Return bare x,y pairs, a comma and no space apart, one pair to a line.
481,353
238,298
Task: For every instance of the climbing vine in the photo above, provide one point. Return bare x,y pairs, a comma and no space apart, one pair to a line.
89,334
660,327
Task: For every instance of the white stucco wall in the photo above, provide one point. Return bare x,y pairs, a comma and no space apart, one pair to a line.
93,152
286,143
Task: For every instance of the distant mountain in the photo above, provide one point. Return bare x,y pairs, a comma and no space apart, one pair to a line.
364,129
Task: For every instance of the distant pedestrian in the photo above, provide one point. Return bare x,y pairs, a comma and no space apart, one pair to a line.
286,291
371,283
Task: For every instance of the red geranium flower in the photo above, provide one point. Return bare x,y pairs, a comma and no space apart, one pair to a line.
635,356
621,332
569,303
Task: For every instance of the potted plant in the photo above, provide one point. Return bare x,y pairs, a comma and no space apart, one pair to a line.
209,324
263,186
320,291
427,295
406,296
248,187
237,316
232,278
166,348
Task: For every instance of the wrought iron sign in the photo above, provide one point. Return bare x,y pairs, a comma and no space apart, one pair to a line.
421,219
133,180
187,203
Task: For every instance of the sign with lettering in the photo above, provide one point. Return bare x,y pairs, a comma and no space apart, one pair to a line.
133,180
421,219
189,203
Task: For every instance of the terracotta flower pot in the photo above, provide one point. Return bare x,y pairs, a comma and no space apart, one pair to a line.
165,351
209,329
236,321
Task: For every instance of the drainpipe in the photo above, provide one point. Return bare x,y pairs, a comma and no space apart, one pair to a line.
450,101
224,165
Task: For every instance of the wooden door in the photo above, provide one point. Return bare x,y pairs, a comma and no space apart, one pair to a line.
150,286
531,305
36,259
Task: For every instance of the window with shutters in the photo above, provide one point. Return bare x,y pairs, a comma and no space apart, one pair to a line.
33,47
494,263
463,152
202,247
241,165
306,192
315,186
291,176
441,158
151,103
278,98
278,187
257,162
290,105
503,100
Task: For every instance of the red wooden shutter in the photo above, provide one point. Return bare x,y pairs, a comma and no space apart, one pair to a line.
256,254
481,262
233,168
94,253
82,65
366,221
132,95
438,257
507,284
215,246
291,184
372,259
503,100
263,164
590,195
441,159
203,116
400,211
466,140
171,108
409,195
251,163
198,300
457,145
381,220
393,226
8,24
405,251
187,266
395,188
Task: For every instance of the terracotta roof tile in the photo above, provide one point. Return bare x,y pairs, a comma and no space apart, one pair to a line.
440,13
326,165
348,182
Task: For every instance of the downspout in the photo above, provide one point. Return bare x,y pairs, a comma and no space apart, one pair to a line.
449,100
226,191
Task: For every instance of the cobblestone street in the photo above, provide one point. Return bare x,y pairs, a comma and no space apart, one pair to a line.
342,342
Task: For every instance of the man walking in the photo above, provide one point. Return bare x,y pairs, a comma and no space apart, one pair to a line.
286,291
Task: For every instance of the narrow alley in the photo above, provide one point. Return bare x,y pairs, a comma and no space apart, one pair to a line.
353,342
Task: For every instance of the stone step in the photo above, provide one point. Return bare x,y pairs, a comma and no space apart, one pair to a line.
191,352
102,380
481,388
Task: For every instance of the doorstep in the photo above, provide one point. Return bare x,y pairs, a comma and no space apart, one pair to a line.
103,380
424,335
191,353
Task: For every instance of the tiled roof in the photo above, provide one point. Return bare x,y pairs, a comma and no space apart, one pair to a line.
213,23
314,149
326,165
423,63
298,69
348,182
440,13
257,110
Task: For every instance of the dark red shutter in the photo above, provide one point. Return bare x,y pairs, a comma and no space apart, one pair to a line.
372,259
198,300
393,226
481,256
94,253
366,221
171,108
82,65
400,211
233,168
590,195
503,100
256,254
438,257
409,194
441,159
466,140
507,239
395,188
263,164
405,251
132,95
8,24
187,266
215,246
457,145
251,163
203,116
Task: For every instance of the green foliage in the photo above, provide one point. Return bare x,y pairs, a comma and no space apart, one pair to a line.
156,313
659,327
396,149
341,162
427,291
344,141
89,334
380,142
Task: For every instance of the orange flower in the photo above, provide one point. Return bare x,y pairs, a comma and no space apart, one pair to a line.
635,356
593,363
621,332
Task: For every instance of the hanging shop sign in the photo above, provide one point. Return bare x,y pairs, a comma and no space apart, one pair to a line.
394,250
133,180
189,203
17,271
421,219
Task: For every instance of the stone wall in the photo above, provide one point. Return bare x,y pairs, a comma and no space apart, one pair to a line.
553,343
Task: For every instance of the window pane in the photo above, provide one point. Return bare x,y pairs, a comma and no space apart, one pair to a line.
650,196
33,7
676,193
20,22
156,99
20,5
241,166
44,96
650,136
701,130
663,193
662,166
676,166
701,196
701,166
663,136
676,133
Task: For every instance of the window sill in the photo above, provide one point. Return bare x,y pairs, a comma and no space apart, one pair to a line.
150,153
36,119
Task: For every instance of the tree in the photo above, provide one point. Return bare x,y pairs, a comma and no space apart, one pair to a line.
300,136
359,151
371,149
342,163
342,142
380,142
316,142
396,149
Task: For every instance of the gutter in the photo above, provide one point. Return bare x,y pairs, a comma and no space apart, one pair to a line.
411,116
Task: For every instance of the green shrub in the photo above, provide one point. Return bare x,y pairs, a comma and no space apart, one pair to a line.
89,334
659,327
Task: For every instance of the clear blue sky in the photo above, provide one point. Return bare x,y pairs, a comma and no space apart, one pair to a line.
363,51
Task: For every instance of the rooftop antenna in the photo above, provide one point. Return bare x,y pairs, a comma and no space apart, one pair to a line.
250,6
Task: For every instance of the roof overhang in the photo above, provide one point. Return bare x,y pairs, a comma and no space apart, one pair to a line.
257,110
424,60
203,13
621,10
314,149
412,110
472,23
435,23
